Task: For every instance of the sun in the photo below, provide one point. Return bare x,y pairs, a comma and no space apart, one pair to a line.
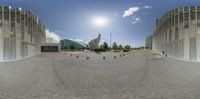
100,21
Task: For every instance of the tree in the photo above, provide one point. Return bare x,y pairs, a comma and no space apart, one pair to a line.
105,45
101,46
114,46
120,47
127,47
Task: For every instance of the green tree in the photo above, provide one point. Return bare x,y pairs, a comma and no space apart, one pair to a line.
105,45
101,46
114,46
120,47
127,47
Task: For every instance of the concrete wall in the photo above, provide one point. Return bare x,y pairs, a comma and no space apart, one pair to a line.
148,41
20,34
177,33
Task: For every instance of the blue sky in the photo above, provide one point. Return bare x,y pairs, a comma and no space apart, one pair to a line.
71,19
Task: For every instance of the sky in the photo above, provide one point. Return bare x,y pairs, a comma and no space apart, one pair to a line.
129,21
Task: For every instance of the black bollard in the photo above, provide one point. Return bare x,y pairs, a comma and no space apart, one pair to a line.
87,58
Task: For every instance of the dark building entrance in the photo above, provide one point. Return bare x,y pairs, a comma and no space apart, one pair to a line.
49,48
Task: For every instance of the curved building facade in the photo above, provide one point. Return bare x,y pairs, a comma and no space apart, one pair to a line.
177,33
67,44
21,33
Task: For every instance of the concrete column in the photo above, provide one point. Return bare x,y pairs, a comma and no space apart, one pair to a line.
1,38
18,37
198,45
198,38
186,46
186,38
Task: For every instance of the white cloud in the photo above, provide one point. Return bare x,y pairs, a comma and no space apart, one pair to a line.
52,37
130,11
147,7
136,20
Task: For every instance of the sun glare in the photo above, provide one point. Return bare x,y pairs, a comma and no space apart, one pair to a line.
100,21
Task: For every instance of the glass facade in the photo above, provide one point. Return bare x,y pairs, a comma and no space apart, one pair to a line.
68,44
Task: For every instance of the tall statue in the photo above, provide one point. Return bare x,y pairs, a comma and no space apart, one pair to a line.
94,44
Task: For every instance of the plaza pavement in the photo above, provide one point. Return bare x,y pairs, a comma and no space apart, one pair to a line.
137,75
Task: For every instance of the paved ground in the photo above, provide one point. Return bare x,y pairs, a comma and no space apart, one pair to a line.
139,75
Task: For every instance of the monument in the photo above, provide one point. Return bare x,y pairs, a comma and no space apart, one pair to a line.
94,44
